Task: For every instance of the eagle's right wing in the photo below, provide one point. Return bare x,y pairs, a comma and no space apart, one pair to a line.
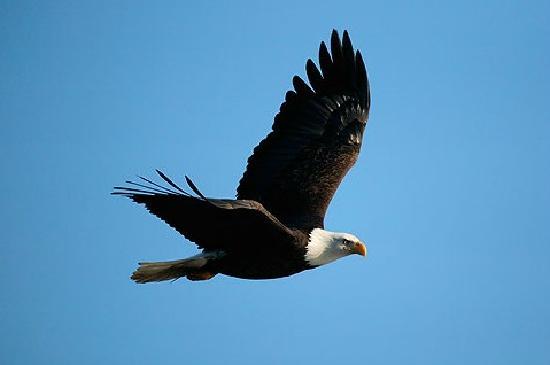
211,223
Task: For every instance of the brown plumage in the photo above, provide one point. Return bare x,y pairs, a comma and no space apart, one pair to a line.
288,184
316,138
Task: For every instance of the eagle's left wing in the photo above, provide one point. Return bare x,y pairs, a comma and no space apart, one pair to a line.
295,171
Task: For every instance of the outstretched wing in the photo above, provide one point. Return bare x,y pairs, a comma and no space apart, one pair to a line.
230,225
295,171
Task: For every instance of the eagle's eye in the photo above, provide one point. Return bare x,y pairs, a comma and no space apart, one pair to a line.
346,245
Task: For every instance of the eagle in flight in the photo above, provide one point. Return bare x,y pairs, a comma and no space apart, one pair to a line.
275,226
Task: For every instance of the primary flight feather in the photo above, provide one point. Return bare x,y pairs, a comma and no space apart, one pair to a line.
275,228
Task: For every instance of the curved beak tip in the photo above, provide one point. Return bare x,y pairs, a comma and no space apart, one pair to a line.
361,249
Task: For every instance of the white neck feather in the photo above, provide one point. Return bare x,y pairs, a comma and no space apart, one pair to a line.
325,247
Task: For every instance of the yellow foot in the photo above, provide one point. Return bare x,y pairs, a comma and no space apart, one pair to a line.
196,276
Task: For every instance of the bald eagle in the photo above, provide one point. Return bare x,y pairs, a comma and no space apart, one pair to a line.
275,227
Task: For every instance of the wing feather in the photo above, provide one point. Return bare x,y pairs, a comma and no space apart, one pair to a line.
315,140
314,76
211,223
301,87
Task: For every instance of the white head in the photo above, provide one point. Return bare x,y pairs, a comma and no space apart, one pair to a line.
325,247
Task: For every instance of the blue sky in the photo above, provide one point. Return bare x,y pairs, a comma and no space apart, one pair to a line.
450,192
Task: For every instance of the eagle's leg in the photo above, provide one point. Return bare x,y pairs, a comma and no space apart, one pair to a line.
197,276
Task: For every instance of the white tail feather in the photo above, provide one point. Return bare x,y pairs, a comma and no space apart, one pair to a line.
171,270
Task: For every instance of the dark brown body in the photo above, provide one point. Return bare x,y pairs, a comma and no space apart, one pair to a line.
263,263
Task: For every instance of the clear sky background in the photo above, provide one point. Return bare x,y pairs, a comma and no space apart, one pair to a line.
451,192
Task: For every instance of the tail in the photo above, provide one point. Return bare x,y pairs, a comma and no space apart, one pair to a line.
193,268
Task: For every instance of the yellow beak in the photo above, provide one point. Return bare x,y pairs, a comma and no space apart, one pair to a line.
360,249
